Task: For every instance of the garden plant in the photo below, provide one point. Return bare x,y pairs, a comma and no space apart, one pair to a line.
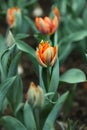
56,36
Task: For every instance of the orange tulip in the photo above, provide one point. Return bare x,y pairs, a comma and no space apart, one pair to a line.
46,54
47,25
11,16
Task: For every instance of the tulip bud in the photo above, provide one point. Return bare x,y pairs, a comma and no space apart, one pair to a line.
46,54
14,17
47,25
35,95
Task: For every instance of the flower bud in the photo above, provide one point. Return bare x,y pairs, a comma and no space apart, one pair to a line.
13,16
46,54
35,95
47,25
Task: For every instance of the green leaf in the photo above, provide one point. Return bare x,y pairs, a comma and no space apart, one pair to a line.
4,64
21,36
4,88
13,68
15,95
28,114
2,45
73,76
74,37
78,6
49,123
54,78
84,16
11,123
29,50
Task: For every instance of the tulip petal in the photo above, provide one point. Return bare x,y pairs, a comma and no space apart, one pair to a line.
55,55
40,60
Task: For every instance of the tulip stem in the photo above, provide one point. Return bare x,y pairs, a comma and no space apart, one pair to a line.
48,78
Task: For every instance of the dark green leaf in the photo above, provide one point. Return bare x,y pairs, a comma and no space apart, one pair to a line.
28,114
21,36
29,50
74,37
15,95
11,123
4,89
73,76
55,78
49,123
13,68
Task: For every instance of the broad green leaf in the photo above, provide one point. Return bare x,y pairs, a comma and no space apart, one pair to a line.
74,37
28,114
4,89
11,123
15,95
13,68
4,64
73,76
5,61
49,123
29,50
21,36
55,78
84,15
19,112
2,45
78,6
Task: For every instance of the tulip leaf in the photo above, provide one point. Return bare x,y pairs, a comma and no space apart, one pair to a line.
49,123
11,123
54,78
21,36
2,45
13,95
4,88
74,37
29,50
28,114
73,76
13,68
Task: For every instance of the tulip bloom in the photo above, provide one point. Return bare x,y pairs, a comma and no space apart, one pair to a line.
47,25
11,16
46,54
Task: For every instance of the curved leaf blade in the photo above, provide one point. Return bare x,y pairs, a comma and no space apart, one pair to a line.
49,124
4,88
28,113
11,123
73,76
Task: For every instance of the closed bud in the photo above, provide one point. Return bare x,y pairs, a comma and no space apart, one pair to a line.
14,17
35,95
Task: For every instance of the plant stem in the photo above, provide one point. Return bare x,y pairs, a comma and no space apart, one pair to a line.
37,120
